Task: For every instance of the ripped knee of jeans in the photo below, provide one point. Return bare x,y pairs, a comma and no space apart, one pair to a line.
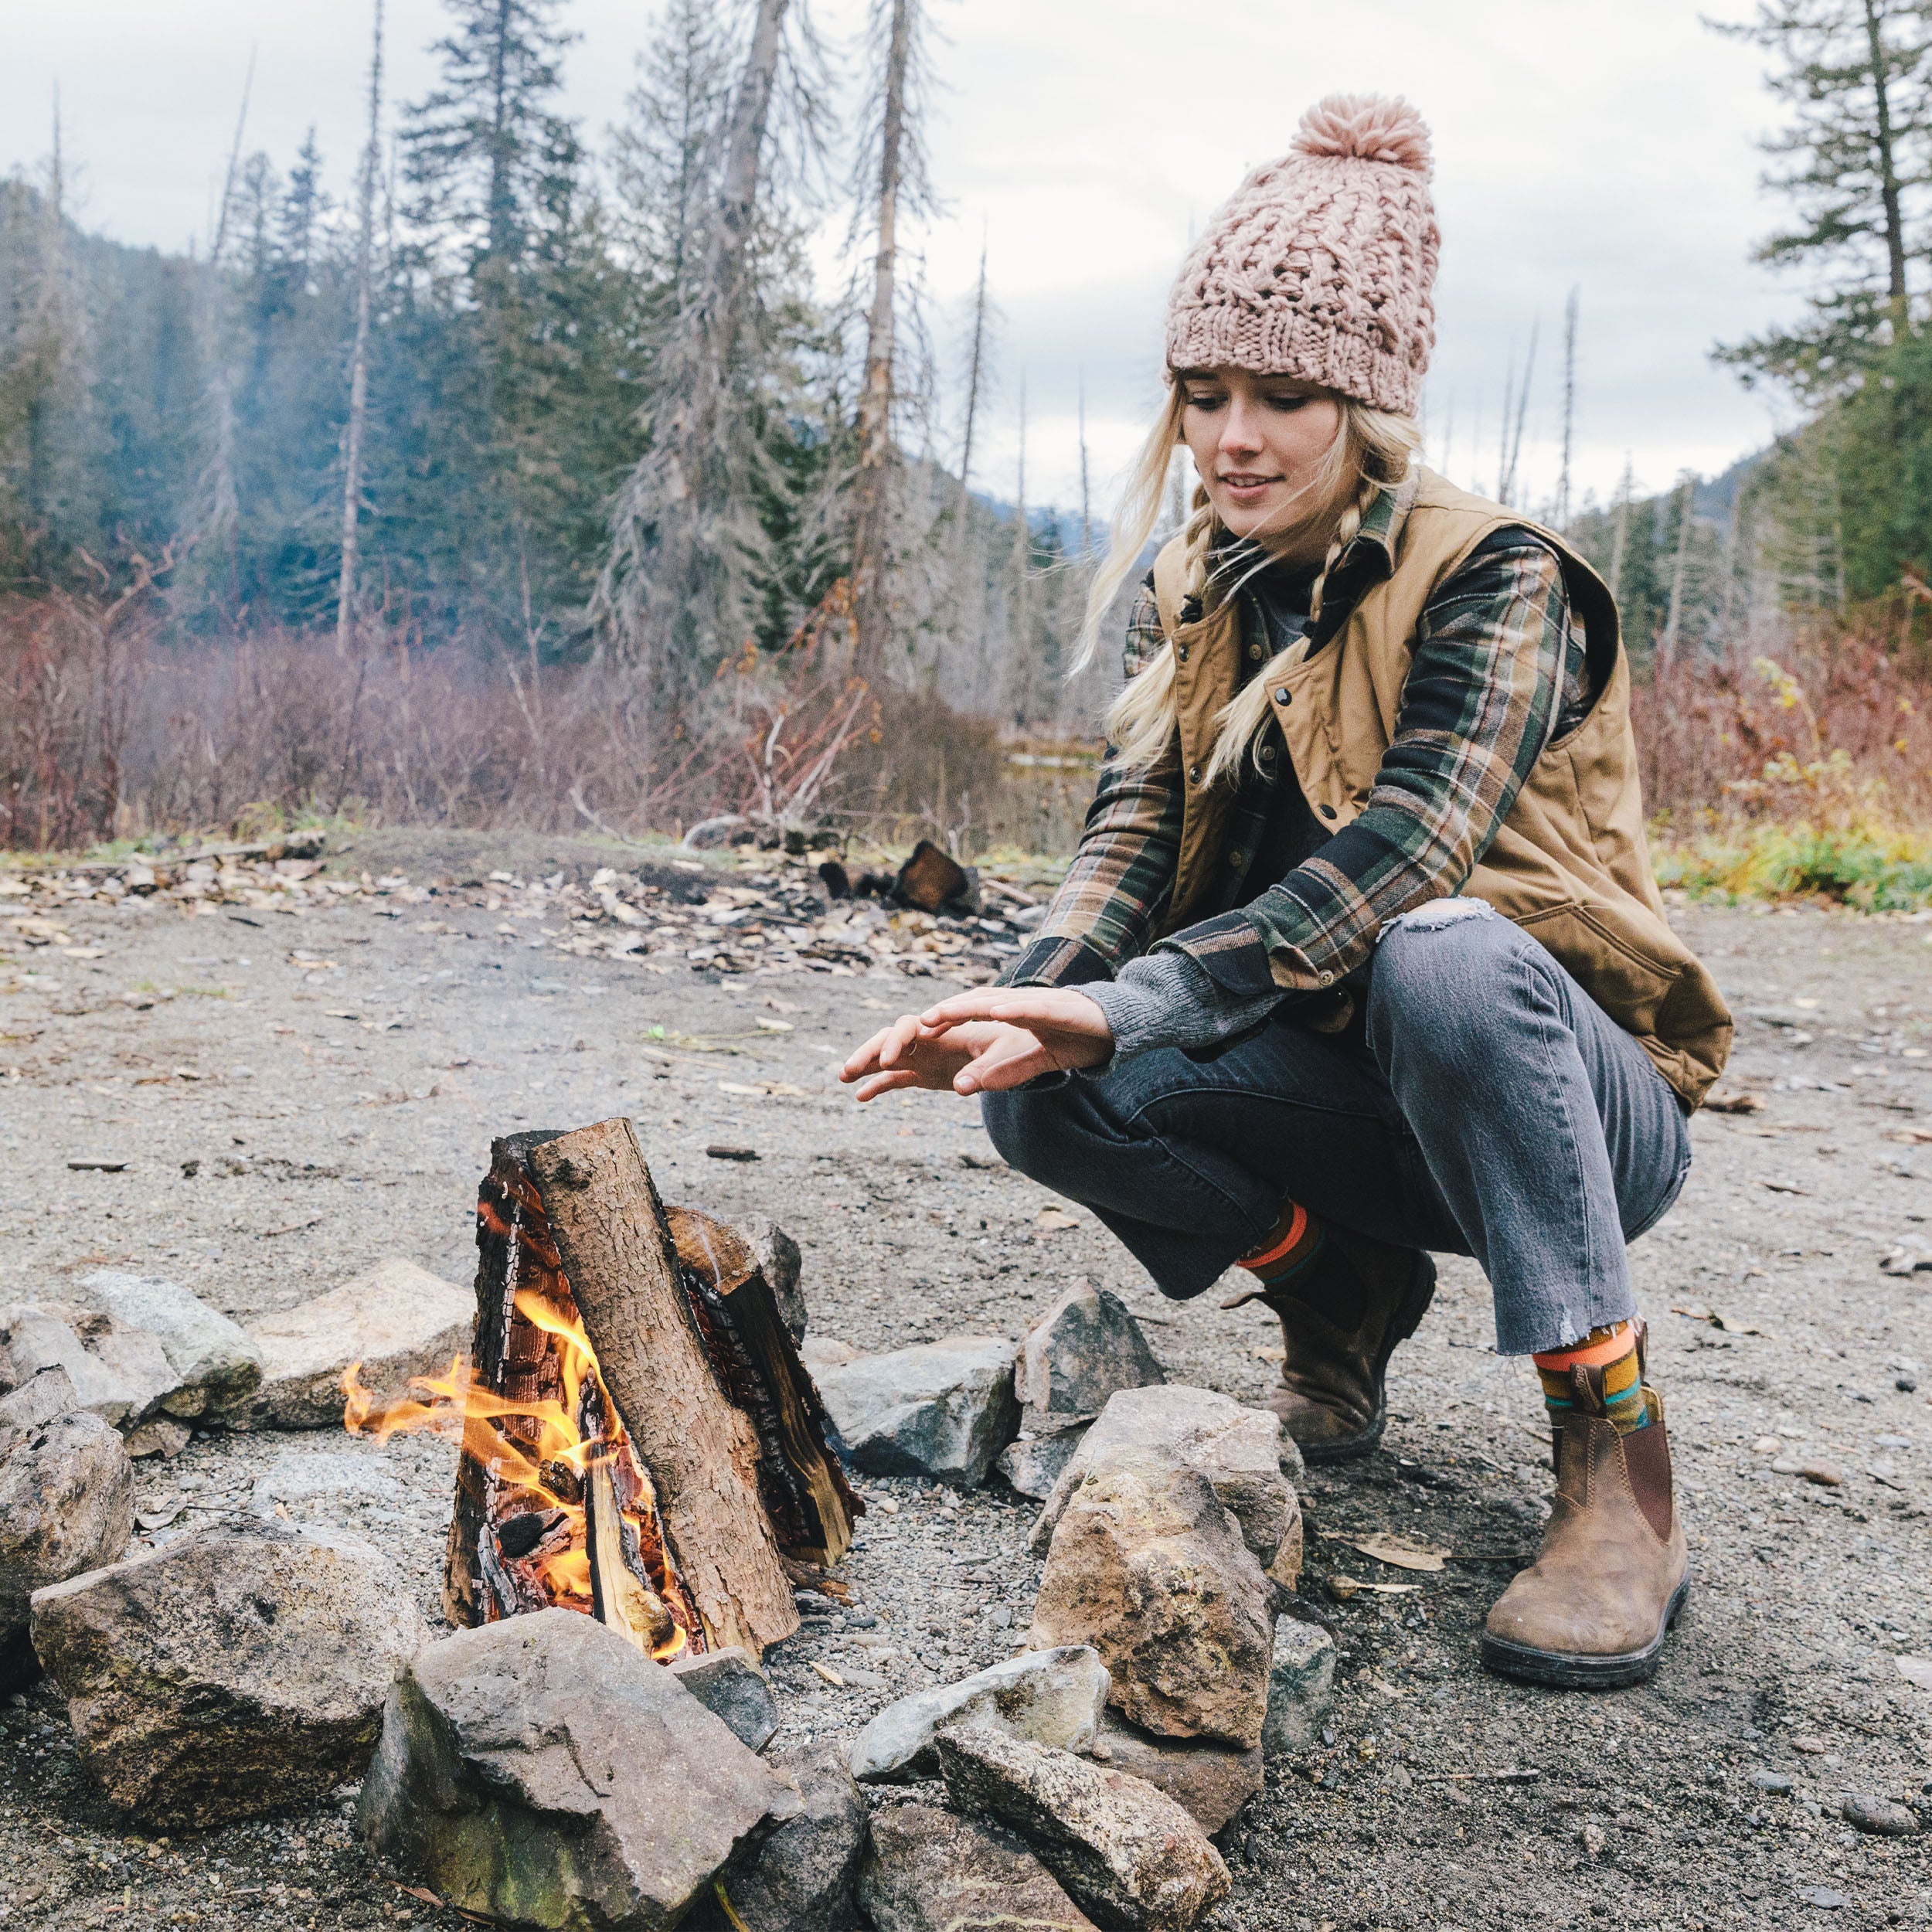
1439,913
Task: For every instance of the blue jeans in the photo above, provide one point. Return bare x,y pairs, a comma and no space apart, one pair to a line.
1486,1105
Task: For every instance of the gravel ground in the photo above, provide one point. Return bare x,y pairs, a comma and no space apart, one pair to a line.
340,1105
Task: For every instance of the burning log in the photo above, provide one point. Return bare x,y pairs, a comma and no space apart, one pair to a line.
640,1441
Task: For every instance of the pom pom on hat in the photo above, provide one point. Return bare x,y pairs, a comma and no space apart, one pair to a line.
1322,264
1366,127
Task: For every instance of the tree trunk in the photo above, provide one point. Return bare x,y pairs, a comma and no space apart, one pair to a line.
1888,171
871,610
1672,621
358,355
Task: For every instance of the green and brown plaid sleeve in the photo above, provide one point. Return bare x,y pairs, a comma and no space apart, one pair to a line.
1122,874
1498,667
1499,671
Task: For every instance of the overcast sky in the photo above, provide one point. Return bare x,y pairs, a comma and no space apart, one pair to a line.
1609,147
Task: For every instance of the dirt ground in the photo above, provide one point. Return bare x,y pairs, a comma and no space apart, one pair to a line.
335,1078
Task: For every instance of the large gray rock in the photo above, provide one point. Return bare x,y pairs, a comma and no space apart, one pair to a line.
927,1870
1085,1348
395,1321
228,1674
216,1368
1211,1782
1243,1452
801,1879
1055,1696
66,1505
1300,1687
730,1686
542,1771
120,1374
941,1409
1129,1853
1147,1566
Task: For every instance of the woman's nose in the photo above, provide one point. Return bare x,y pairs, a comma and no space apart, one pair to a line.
1241,433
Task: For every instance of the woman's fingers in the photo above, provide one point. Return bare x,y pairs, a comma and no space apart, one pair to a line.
1009,1060
883,1050
877,1084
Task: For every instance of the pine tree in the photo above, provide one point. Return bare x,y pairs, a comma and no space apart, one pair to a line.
1857,75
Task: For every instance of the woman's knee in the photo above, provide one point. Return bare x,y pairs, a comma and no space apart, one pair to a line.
1027,1129
1451,974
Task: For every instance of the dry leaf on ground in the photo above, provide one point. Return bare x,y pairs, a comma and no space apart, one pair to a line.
1399,1552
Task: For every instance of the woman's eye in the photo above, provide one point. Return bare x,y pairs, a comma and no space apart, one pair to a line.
1286,404
1204,402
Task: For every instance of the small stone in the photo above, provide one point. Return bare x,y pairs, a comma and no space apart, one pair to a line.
216,1368
730,1686
1054,1696
1085,1348
1243,1452
228,1674
1130,1855
160,1436
1906,1385
1880,1816
545,1772
718,1151
1300,1687
66,1504
1823,1897
1827,1475
800,1878
1032,1465
1916,1671
1209,1781
1147,1566
927,1870
1774,1781
395,1321
940,1409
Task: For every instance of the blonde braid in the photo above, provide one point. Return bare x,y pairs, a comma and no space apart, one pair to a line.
1347,528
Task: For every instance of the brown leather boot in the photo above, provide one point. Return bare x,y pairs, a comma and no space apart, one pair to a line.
1341,1319
1592,1611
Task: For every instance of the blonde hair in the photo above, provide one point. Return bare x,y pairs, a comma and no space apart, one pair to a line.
1371,452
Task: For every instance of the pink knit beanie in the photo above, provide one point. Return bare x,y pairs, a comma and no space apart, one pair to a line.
1321,265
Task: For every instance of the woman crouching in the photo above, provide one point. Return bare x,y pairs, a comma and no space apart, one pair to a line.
1360,957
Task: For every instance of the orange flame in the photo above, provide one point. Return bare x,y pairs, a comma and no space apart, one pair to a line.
463,1410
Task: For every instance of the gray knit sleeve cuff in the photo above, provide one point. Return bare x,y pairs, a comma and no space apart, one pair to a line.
1168,998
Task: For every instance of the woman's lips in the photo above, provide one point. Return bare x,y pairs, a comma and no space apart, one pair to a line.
1245,488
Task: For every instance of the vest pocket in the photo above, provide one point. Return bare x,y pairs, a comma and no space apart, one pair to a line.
1609,961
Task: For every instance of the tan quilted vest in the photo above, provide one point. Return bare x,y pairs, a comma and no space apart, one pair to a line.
1570,863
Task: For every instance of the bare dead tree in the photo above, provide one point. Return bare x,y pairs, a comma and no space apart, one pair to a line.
1569,406
974,366
1620,529
1020,667
1667,651
1087,500
660,523
358,354
220,507
872,606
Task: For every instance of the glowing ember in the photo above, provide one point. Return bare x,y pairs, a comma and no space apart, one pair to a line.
561,1468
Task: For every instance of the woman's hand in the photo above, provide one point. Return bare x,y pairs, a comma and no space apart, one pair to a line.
983,1043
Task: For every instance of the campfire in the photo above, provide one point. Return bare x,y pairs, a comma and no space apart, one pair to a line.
640,1441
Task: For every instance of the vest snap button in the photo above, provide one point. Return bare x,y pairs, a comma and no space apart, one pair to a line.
1328,979
1327,811
1254,653
1237,860
1180,651
1194,778
1267,754
1282,696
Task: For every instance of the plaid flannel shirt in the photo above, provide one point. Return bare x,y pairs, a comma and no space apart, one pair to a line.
1499,671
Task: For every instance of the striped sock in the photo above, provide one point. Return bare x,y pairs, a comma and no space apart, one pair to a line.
1614,1350
1294,1241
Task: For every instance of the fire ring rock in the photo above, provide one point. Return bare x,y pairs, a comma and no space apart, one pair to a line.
66,1504
939,1408
542,1771
226,1674
1147,1566
928,1871
1129,1853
